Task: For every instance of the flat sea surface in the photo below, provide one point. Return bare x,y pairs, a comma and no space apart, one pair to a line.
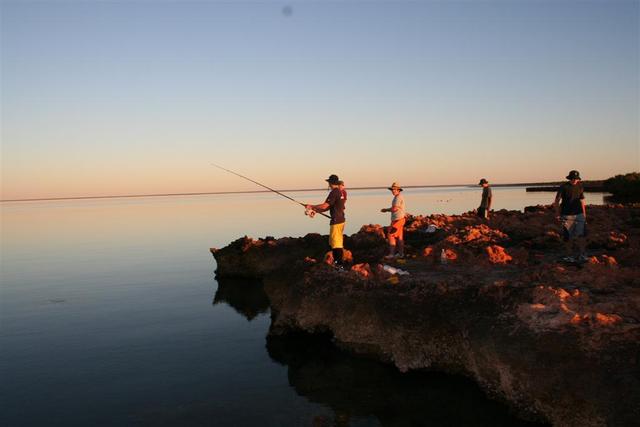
107,317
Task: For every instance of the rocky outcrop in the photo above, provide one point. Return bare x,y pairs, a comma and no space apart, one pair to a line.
486,299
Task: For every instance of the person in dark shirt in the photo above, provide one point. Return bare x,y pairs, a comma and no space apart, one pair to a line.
335,204
487,197
572,213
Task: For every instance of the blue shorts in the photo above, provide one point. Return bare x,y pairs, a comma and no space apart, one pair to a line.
573,226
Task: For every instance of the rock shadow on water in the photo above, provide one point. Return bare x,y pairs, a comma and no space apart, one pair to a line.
245,296
356,388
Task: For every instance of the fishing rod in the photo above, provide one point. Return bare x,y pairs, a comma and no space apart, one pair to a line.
270,189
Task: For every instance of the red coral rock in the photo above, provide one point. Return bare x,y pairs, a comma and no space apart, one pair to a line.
450,255
347,257
371,232
453,240
363,270
248,243
497,255
607,319
473,234
617,239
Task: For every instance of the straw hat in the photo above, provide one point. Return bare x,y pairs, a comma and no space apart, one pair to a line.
395,186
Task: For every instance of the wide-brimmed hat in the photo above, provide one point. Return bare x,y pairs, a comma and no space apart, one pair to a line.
573,175
395,186
483,181
333,179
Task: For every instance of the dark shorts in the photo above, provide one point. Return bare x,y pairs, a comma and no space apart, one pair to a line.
482,212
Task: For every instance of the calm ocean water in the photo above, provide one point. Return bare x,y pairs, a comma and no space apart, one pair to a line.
107,318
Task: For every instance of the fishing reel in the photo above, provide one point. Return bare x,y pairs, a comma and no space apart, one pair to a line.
309,212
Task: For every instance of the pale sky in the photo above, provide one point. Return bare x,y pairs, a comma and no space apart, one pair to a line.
139,97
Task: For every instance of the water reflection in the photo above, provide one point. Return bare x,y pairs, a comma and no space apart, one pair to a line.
355,388
245,296
106,316
359,390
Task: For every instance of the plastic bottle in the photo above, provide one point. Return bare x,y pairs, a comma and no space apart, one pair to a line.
390,269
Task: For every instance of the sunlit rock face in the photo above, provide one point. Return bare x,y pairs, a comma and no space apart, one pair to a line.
488,299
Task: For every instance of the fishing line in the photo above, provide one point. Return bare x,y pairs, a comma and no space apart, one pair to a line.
268,188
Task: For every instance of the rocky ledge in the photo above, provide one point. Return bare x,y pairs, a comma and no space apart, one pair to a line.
487,299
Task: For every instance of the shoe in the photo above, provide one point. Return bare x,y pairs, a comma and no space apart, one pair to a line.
339,268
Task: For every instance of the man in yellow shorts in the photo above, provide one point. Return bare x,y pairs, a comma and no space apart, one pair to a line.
335,204
395,231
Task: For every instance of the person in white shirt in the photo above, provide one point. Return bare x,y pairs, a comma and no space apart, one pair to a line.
395,231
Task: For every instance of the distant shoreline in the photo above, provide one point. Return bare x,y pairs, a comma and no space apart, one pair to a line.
589,187
546,185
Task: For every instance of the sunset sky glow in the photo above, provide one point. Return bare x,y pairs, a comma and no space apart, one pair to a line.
140,97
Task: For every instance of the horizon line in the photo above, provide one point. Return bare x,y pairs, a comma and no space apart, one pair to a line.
124,196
